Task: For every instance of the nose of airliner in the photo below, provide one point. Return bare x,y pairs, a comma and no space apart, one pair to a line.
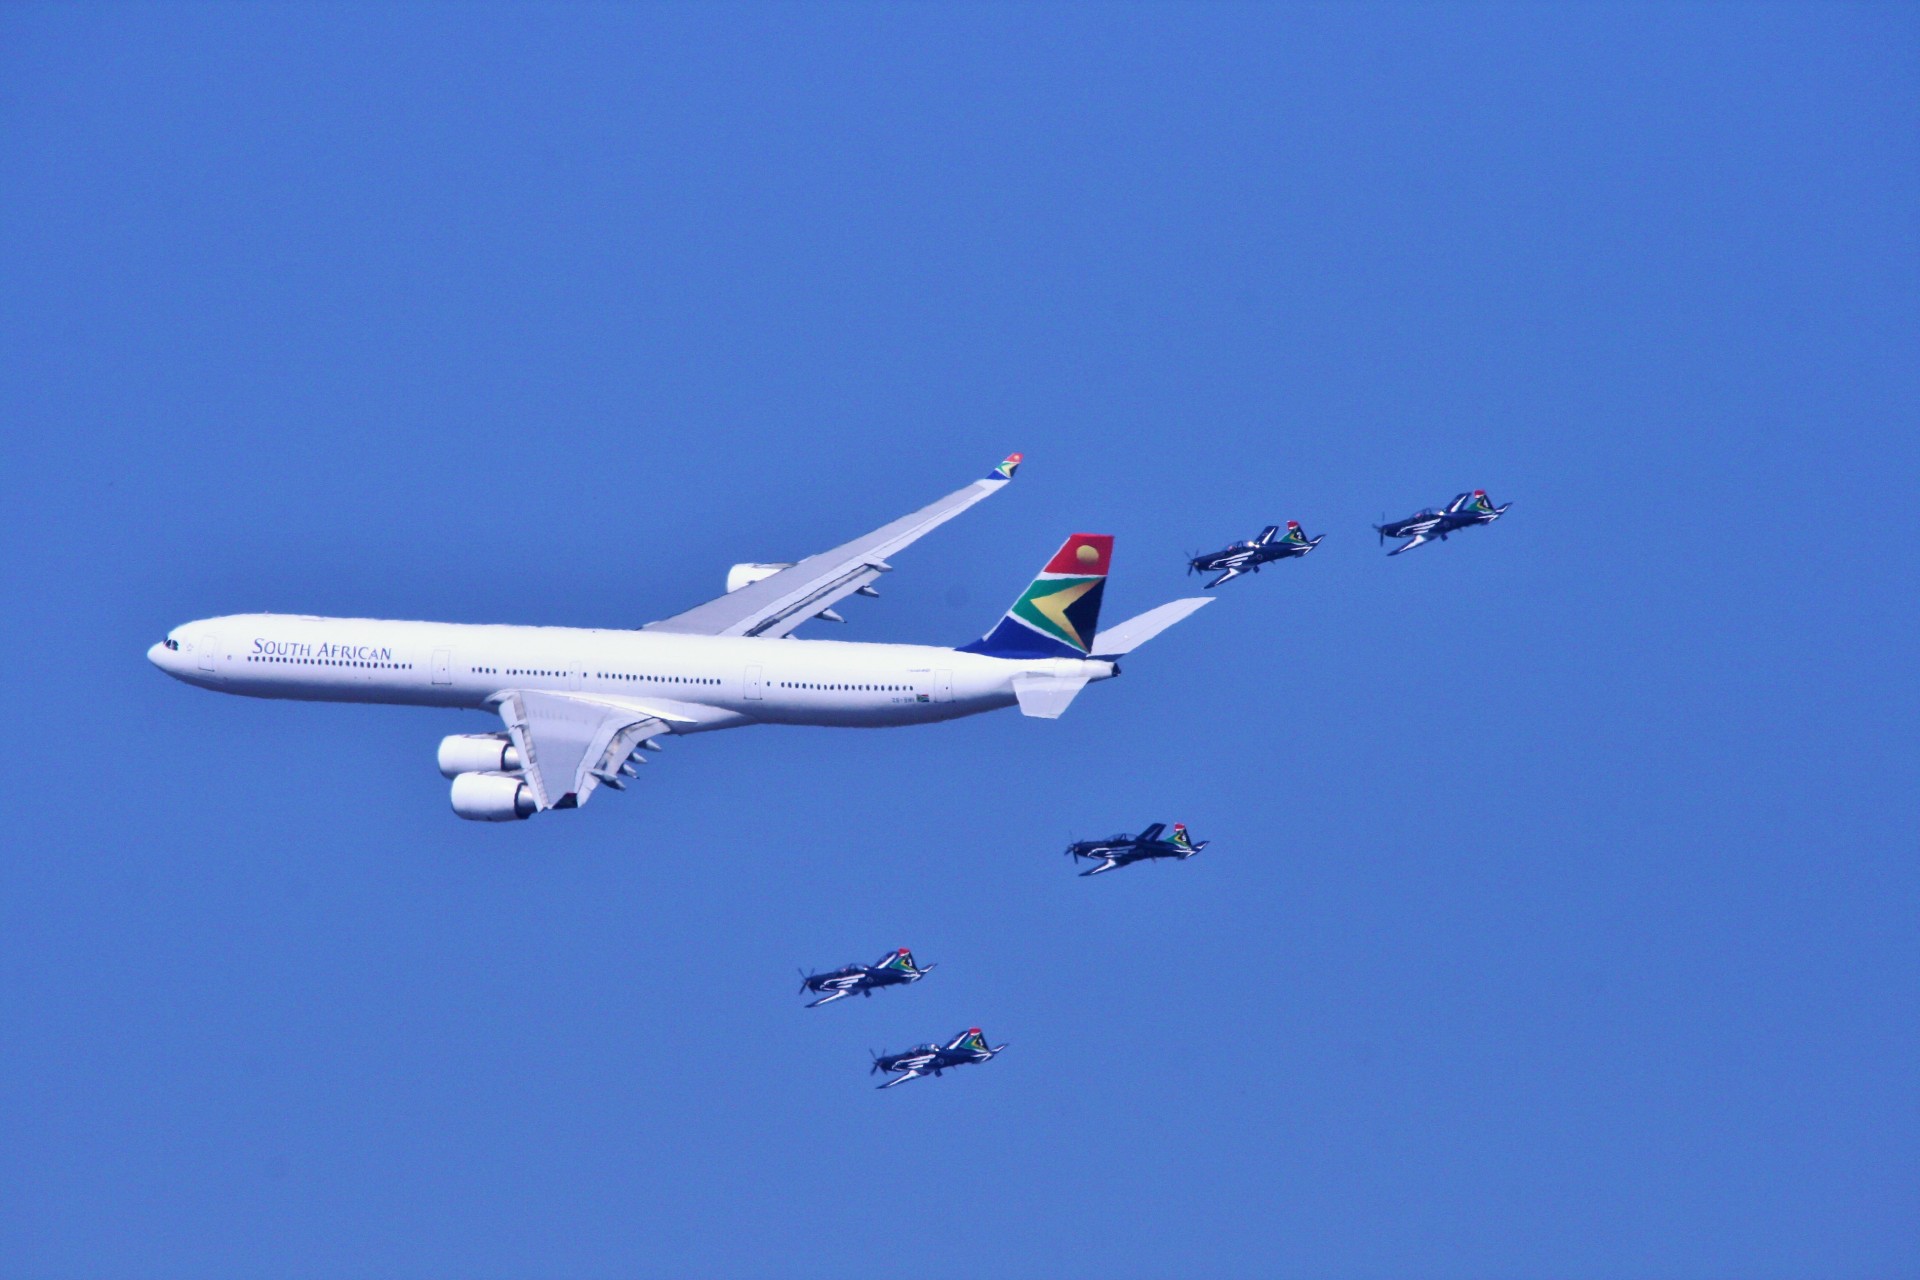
164,656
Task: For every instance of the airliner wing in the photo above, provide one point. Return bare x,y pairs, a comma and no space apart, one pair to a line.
571,743
776,605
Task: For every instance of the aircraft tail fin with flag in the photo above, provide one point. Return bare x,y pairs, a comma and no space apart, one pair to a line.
1185,841
1059,614
975,1039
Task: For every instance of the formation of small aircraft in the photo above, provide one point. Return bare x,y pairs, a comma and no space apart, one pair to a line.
1124,850
580,708
1234,560
1238,558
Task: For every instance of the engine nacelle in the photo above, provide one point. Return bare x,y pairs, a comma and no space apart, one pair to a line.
476,753
745,575
492,797
742,575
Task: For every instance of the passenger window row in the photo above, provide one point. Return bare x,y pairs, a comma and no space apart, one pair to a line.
874,688
598,675
622,675
327,662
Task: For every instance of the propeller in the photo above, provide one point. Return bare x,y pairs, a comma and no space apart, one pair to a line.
805,978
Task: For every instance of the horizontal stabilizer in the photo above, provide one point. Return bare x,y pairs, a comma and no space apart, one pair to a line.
1127,636
1045,697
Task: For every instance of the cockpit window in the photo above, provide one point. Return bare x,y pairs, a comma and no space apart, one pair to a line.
171,643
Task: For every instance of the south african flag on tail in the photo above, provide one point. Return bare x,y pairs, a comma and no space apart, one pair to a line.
1058,615
1184,842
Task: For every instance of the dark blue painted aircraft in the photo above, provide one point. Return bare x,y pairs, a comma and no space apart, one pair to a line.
968,1047
894,969
1248,556
1123,850
1465,511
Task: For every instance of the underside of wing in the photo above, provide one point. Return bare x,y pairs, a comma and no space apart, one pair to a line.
775,605
569,744
1424,536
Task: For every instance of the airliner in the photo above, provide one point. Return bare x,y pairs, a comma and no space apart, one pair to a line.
580,708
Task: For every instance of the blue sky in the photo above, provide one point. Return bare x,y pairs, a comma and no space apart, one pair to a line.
1559,919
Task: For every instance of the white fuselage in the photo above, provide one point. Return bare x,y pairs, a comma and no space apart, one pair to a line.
715,682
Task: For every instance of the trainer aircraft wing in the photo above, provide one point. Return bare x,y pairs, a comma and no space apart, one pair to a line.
571,743
1235,570
1419,539
779,603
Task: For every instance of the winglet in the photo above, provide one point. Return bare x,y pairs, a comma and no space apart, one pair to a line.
1007,467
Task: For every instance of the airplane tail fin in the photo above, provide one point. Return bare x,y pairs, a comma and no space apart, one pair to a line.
975,1039
1059,614
901,960
1484,505
1185,841
1297,535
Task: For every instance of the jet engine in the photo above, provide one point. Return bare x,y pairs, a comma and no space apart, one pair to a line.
492,797
745,574
476,753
